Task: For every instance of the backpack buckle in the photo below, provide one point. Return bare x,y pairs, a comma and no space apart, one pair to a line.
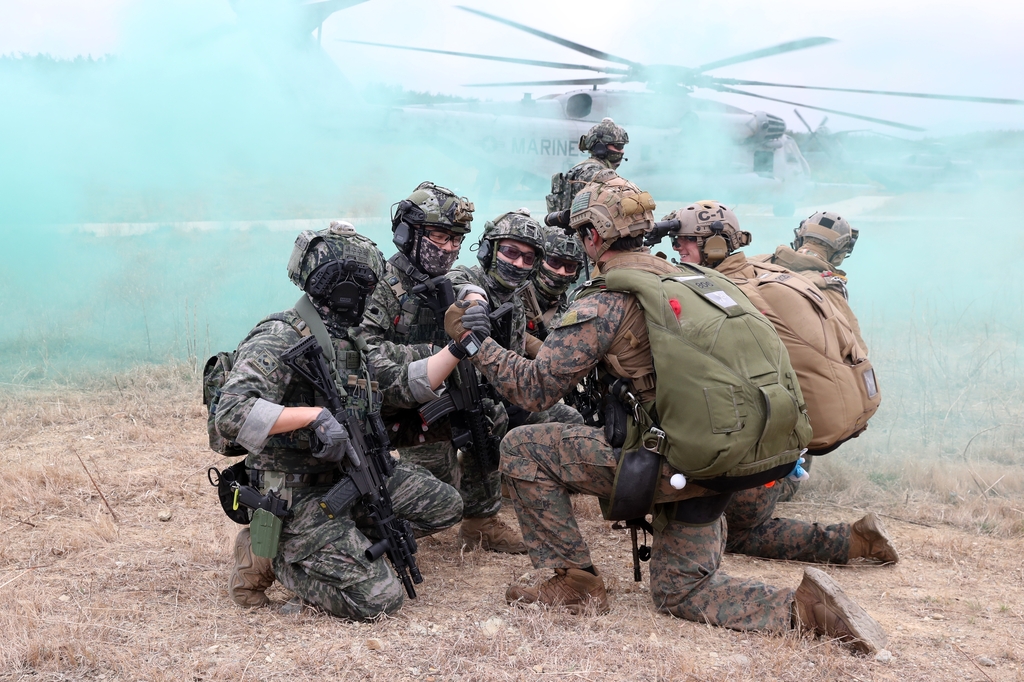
653,439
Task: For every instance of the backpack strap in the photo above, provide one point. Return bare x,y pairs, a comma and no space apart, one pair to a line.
304,307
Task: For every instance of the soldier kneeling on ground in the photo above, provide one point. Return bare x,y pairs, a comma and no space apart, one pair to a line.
606,327
295,446
830,367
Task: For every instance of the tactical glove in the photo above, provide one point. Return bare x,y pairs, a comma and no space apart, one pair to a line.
467,316
331,437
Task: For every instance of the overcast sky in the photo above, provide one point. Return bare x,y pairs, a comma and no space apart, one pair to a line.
951,47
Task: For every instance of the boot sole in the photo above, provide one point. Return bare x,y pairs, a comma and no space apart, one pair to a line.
869,635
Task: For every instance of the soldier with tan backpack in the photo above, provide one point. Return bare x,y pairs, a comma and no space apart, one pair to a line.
835,375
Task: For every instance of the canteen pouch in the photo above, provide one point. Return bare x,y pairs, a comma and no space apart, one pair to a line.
636,480
265,531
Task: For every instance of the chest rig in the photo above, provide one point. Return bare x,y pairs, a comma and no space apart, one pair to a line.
415,322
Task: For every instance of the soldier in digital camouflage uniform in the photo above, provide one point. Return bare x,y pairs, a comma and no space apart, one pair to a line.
547,296
821,243
606,142
429,228
545,463
294,446
509,251
753,530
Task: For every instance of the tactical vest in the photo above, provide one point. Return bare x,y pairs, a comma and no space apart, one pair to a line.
349,369
415,323
836,377
708,370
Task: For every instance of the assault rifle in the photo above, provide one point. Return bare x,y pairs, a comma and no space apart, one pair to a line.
462,402
368,465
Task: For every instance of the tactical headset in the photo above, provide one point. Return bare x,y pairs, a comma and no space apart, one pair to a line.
404,233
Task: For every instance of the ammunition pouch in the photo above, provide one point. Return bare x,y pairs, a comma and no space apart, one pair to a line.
223,481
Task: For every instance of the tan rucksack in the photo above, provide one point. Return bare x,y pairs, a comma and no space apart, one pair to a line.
836,377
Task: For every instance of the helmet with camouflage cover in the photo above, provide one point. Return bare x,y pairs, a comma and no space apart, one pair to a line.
337,268
715,228
827,234
517,225
604,133
430,206
567,247
614,207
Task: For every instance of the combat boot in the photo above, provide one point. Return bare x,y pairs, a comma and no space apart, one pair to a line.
821,605
251,576
869,540
571,588
491,533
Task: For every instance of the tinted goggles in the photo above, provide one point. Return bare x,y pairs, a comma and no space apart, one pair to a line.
554,262
513,253
442,237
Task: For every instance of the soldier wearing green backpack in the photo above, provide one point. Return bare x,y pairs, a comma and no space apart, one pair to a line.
702,401
814,330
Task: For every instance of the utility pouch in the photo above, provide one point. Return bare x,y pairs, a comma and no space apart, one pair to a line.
222,481
636,480
265,530
340,498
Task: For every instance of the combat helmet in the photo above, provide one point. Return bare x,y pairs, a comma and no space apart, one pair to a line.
568,247
598,138
337,268
714,226
828,231
518,225
614,207
430,205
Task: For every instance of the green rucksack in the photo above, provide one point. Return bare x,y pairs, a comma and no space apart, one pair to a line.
726,396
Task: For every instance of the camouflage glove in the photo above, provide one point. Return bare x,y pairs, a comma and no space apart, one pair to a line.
467,316
331,437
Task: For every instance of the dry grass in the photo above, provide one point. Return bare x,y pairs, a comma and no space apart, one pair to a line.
85,596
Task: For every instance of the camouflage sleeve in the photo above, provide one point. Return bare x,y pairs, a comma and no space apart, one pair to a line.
572,349
400,369
401,372
250,400
461,275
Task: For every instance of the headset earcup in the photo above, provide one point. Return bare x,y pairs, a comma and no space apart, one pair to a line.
716,249
402,236
483,254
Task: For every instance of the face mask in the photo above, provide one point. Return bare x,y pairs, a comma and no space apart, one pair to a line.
552,285
614,157
434,260
508,275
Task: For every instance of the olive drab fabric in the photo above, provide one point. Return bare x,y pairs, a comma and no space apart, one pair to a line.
726,395
836,377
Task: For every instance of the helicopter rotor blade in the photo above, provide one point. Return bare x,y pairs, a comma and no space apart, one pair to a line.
571,81
589,51
890,93
881,121
510,60
781,48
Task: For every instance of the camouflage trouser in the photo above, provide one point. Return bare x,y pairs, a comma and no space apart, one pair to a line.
789,486
545,463
754,532
441,460
322,561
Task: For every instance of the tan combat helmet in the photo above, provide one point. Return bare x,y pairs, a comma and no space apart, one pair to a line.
715,227
614,207
827,235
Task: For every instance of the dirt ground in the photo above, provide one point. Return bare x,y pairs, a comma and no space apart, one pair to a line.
115,557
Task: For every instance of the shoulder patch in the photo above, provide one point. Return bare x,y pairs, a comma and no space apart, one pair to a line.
575,316
265,363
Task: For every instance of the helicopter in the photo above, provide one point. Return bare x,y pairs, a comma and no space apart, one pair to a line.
678,142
